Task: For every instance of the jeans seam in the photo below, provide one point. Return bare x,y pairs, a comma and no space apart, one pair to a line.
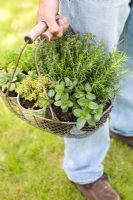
84,181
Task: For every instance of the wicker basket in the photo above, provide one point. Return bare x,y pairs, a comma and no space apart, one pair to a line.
53,125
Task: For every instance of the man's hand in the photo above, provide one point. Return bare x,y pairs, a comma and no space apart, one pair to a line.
48,11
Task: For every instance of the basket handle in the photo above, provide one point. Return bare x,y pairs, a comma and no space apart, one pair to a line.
41,29
29,39
39,75
37,30
14,70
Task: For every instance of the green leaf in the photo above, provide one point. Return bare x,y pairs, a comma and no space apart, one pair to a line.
87,87
65,96
79,94
80,123
12,88
4,78
57,97
70,104
60,87
93,111
4,87
42,102
64,108
57,103
51,93
21,76
65,99
97,117
14,79
75,82
99,111
77,112
85,114
93,105
90,96
2,82
101,106
68,82
83,102
91,122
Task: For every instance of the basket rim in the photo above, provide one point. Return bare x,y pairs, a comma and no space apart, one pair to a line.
63,122
32,110
74,123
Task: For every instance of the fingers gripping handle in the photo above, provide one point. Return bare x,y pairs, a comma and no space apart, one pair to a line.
47,36
40,28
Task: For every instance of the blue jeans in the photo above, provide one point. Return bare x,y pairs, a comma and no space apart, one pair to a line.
105,19
121,120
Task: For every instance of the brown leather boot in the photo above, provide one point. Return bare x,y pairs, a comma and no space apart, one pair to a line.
99,190
127,140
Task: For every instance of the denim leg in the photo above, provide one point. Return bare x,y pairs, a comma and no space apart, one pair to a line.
83,157
121,120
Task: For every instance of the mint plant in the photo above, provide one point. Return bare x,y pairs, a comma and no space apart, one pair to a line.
77,99
61,93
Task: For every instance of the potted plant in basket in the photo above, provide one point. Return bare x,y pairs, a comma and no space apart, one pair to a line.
31,96
6,71
5,77
73,102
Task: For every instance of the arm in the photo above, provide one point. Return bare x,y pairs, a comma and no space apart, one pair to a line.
48,11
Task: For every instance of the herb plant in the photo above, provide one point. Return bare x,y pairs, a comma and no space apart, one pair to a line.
5,77
82,103
83,59
26,62
31,89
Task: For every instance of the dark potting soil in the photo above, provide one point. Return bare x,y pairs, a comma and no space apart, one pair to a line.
28,104
63,116
106,106
10,93
24,72
68,116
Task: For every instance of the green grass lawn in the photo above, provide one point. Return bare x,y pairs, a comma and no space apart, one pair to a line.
31,160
